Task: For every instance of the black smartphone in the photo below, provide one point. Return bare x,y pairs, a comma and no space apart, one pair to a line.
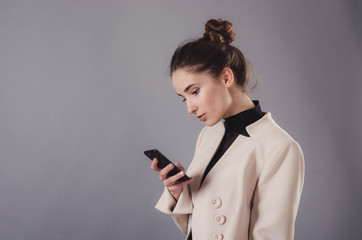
163,162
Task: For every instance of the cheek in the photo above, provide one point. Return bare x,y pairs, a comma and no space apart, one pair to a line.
215,99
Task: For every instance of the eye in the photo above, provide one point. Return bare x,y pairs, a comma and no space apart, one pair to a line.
195,92
184,100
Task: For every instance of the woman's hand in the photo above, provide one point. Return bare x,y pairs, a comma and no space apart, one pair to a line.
172,184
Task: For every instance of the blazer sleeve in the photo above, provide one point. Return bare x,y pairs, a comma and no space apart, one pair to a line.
277,195
180,209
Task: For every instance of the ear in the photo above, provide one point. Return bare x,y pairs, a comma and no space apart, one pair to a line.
227,77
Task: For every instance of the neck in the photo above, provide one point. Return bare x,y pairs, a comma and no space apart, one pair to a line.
240,102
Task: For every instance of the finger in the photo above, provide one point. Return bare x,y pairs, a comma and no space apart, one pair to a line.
174,179
165,171
179,185
154,165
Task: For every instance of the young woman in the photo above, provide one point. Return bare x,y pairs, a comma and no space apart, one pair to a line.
247,173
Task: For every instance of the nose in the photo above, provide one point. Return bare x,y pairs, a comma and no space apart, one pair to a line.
191,108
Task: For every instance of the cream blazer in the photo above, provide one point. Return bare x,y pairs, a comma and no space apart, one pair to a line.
252,192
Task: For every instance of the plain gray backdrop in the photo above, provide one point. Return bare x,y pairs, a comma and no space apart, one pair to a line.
84,90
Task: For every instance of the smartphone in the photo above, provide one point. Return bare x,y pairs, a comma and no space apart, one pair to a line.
163,162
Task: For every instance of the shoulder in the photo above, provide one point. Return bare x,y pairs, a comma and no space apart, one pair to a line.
266,129
270,137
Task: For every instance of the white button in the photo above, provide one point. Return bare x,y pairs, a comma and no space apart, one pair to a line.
220,219
218,236
216,202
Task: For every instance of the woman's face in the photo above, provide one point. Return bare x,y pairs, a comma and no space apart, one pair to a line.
206,97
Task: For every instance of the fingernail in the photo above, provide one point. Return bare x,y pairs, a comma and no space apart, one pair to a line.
181,173
170,166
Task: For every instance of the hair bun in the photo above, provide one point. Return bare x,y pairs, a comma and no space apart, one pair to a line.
219,31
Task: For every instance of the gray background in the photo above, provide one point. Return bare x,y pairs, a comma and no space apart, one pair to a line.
84,90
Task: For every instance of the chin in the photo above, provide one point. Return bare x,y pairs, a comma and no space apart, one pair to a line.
210,123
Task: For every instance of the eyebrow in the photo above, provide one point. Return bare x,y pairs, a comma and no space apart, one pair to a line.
187,88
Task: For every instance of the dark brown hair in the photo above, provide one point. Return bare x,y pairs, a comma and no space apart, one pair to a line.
212,53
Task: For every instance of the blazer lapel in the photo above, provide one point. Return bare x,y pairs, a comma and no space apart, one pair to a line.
207,149
237,146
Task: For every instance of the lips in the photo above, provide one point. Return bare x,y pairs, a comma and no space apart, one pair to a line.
202,117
